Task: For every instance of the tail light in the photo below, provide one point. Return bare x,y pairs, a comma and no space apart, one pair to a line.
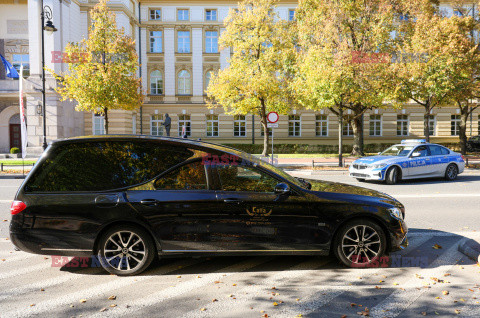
17,207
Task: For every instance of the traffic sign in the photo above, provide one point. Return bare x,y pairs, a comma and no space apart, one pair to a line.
272,117
272,125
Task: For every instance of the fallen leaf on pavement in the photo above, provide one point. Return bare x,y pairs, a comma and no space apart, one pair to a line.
203,309
437,247
113,305
457,311
214,300
445,292
113,297
275,304
83,300
424,313
103,309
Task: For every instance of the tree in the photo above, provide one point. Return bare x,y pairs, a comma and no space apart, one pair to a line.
463,62
343,48
256,81
101,69
423,68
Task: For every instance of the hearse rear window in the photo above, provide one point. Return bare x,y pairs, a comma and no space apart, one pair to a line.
103,165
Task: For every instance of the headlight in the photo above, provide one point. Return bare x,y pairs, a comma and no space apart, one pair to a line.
381,165
396,213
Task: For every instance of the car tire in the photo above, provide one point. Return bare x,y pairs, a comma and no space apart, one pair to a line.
125,250
392,176
360,243
451,172
360,180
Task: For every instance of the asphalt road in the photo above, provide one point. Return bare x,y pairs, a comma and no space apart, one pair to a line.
423,280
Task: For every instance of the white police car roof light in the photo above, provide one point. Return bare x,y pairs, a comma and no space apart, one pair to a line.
414,141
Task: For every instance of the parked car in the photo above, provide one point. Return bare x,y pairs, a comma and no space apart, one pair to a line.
412,159
129,199
473,143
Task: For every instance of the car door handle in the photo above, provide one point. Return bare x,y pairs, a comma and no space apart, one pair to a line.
232,201
149,202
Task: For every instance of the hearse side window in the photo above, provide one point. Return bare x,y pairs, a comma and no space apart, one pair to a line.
188,177
245,178
103,165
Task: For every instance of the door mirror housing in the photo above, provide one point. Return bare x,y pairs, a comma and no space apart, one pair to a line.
282,189
379,153
415,154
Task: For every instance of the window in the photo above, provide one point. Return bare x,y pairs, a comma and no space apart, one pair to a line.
212,125
431,125
375,125
244,178
183,41
155,14
347,129
98,124
437,151
321,125
188,177
291,14
184,83
211,42
208,77
156,83
156,128
155,41
118,164
182,15
457,13
211,15
184,125
294,125
239,126
455,125
422,150
402,125
19,59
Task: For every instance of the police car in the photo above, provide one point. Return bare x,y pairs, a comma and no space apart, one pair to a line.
412,159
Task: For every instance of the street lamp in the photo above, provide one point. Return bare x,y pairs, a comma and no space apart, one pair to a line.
49,28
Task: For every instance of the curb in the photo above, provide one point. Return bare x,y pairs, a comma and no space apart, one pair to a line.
12,176
471,249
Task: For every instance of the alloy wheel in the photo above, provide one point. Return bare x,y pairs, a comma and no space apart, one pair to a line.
361,244
452,172
124,250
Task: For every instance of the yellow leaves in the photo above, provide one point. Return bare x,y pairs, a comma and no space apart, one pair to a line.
436,247
203,309
83,300
275,304
445,292
113,297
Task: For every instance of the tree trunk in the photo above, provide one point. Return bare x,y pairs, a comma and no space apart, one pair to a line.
357,127
426,123
105,118
463,129
340,136
263,120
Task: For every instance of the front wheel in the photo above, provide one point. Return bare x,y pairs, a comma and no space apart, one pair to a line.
451,172
125,250
392,175
360,243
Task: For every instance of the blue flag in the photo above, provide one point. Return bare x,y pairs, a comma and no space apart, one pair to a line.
11,71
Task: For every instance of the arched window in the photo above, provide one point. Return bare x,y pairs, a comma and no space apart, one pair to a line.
156,83
208,77
184,83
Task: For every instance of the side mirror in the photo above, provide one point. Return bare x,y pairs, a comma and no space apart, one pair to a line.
378,153
416,154
281,188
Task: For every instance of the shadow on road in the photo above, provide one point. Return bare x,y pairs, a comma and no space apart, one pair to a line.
417,255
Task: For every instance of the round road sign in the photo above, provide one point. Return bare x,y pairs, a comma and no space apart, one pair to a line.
272,117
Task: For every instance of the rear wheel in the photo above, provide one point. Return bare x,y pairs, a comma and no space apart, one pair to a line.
360,243
392,175
451,172
125,250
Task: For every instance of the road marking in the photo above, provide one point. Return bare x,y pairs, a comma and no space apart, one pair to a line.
184,287
324,295
249,293
436,195
114,284
400,300
23,270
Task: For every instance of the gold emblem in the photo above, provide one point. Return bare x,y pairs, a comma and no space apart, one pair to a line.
259,212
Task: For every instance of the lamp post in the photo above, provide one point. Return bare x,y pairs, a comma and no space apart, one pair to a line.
50,28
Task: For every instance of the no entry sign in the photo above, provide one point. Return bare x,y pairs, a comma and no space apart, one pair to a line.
272,117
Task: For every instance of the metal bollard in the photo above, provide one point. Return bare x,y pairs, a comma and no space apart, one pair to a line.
1,166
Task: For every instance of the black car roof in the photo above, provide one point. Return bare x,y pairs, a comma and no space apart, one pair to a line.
170,140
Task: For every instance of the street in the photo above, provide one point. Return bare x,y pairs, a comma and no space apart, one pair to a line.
430,278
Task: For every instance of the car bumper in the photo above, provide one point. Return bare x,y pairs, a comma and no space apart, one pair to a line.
398,236
367,174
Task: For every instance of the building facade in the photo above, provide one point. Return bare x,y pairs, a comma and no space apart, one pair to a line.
177,43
